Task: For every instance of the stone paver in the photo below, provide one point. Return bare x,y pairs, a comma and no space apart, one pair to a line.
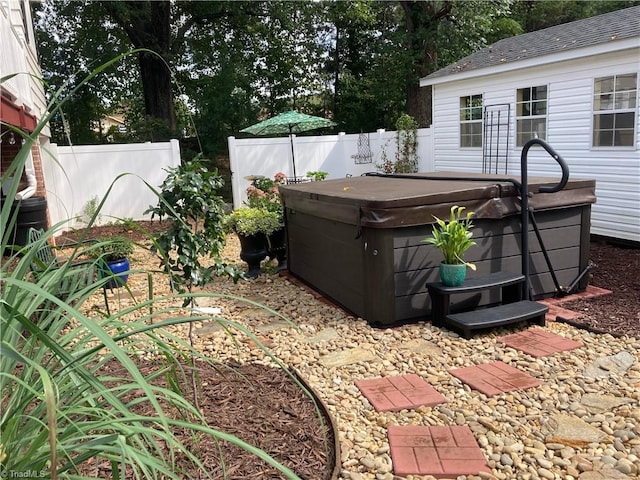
399,392
495,378
572,431
610,365
440,451
347,357
539,343
597,403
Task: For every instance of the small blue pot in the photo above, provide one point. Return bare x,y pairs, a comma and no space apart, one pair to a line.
120,268
453,275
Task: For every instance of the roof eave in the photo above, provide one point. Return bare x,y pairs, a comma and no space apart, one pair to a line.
603,48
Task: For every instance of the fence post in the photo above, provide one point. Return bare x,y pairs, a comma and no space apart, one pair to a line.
174,145
235,181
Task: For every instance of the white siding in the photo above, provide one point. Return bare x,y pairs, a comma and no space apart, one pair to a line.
569,123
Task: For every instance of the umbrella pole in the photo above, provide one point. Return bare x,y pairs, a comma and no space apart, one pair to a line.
293,155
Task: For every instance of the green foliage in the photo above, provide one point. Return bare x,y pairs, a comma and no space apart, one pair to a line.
189,199
90,211
72,390
251,220
359,60
112,249
406,144
406,157
453,237
128,224
317,176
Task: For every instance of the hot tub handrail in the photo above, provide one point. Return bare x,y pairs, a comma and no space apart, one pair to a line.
524,202
554,155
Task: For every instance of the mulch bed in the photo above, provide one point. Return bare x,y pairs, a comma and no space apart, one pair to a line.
616,269
262,406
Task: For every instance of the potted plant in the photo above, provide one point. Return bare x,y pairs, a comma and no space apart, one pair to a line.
264,193
113,254
453,239
317,176
253,225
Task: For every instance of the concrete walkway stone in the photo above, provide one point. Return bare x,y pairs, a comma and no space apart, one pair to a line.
495,378
346,357
399,392
539,343
440,451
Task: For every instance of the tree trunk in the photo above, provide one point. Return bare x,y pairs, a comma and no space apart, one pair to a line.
148,25
421,24
419,104
157,89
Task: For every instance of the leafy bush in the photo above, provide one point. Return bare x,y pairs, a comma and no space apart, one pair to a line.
250,221
112,249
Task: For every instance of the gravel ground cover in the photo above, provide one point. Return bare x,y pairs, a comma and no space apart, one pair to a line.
583,422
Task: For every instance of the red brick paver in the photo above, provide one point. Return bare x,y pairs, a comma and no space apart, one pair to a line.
495,378
440,451
399,392
538,342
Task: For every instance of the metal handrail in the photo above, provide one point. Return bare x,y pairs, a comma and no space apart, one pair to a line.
524,201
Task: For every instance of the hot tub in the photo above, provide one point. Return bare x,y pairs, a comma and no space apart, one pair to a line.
359,240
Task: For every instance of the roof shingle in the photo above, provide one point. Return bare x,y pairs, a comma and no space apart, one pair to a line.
617,25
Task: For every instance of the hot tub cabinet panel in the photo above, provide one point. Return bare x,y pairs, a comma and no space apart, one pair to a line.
368,254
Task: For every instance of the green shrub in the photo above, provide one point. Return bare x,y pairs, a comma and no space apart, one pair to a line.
250,221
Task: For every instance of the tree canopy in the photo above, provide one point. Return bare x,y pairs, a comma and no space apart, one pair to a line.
222,65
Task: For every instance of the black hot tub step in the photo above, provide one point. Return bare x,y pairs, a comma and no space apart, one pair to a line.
498,316
484,282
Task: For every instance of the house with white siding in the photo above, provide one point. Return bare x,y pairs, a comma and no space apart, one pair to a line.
22,98
575,86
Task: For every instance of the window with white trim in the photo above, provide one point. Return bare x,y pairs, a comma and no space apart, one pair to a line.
531,114
614,110
471,121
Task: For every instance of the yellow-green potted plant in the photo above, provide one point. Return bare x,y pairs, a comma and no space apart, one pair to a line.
453,239
253,226
264,193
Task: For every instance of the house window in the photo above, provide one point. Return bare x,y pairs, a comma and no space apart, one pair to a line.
614,110
471,121
531,114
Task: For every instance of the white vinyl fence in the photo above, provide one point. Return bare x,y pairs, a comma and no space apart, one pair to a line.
75,177
334,154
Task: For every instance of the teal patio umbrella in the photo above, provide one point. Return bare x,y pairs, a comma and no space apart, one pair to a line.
288,123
